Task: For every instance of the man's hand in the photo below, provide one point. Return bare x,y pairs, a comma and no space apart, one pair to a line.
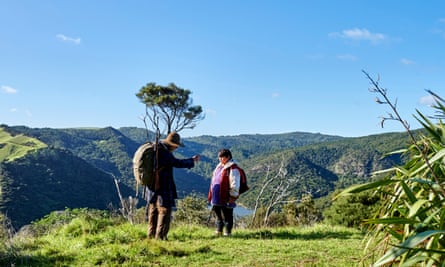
196,158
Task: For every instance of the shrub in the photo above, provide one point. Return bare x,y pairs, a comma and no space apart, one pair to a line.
91,219
192,210
351,211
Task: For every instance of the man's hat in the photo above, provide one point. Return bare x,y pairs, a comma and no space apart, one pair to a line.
173,139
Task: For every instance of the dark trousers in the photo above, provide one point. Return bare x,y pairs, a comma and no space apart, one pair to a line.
224,217
158,221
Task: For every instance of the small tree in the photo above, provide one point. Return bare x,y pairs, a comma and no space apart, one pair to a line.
306,213
169,106
279,185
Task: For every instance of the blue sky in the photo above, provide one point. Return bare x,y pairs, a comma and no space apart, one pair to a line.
256,67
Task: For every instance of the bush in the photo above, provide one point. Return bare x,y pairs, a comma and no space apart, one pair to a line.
351,211
90,219
192,210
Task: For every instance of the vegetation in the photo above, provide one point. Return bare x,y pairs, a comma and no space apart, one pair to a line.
169,106
408,229
319,164
16,146
90,238
301,213
351,211
193,210
51,179
48,170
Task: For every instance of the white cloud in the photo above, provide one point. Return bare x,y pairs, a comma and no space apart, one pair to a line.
347,57
275,94
406,61
439,28
8,89
65,38
12,110
427,100
360,35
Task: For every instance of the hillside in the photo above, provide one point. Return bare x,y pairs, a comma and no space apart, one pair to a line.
105,148
90,157
34,182
321,168
12,147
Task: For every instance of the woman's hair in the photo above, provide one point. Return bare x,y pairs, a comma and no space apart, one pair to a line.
224,152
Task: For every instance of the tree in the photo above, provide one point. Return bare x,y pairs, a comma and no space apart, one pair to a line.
280,192
351,211
408,229
169,106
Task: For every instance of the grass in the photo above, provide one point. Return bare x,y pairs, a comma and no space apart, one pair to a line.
12,147
82,243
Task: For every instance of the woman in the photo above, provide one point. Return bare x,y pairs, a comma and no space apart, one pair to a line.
224,190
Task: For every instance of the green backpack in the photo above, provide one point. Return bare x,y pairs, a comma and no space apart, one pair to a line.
144,165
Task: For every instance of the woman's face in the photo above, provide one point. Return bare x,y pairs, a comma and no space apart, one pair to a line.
223,160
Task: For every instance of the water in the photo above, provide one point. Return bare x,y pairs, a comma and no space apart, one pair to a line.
242,211
239,211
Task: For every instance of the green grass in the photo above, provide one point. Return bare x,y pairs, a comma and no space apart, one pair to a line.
82,243
12,147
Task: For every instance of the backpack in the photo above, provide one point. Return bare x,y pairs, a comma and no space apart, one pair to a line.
243,187
144,165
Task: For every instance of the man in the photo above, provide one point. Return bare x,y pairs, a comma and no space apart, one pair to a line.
162,200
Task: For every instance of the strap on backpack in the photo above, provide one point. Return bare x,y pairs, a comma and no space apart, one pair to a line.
156,148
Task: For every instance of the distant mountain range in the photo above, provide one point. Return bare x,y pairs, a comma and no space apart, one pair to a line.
45,169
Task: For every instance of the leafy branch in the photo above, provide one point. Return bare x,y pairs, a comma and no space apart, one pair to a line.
376,88
412,211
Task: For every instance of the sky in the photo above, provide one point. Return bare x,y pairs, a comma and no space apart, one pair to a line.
255,66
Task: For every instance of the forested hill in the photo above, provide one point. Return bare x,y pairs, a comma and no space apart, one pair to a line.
246,145
44,169
321,168
40,178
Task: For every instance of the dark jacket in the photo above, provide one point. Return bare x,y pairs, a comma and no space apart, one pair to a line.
166,191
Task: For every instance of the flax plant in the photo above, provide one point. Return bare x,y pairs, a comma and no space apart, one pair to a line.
409,228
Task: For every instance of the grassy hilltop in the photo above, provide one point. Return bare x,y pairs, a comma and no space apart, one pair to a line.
95,239
12,147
